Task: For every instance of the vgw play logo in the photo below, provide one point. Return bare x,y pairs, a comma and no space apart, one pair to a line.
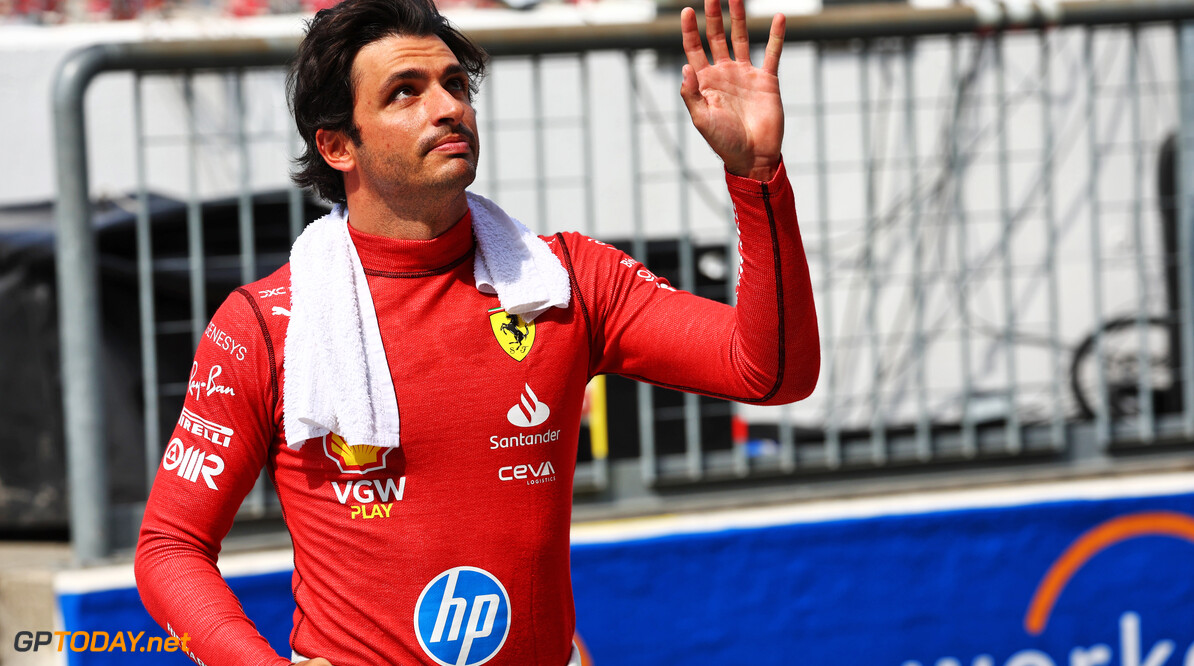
1130,651
462,617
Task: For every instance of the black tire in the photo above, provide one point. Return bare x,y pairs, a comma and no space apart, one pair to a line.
1120,364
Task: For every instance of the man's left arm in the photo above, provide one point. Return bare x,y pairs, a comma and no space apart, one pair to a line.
763,350
766,349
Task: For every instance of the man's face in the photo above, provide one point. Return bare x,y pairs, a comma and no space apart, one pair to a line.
418,130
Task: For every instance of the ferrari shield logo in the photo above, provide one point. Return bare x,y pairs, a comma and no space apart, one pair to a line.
513,334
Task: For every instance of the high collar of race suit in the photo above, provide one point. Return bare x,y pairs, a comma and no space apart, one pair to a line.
379,253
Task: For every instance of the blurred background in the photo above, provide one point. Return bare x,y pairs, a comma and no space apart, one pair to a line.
997,218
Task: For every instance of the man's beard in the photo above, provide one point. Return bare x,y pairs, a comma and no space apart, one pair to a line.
396,178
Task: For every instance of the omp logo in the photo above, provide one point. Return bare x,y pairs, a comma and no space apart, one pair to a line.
529,412
354,458
1066,566
191,462
209,430
462,617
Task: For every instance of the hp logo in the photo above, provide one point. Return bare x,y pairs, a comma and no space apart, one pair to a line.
462,617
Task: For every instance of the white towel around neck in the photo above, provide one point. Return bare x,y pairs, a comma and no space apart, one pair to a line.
337,377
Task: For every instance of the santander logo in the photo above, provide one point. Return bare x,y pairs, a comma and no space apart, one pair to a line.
529,411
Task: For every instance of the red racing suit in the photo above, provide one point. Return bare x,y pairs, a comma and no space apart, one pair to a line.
452,548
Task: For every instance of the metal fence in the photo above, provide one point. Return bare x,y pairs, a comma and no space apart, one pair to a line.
992,208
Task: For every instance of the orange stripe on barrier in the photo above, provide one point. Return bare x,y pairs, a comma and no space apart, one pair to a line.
1094,541
586,659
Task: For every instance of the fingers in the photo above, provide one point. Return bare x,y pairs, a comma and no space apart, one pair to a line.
689,90
691,37
738,36
775,45
716,36
715,31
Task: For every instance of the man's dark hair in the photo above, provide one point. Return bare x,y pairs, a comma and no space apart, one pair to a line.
320,82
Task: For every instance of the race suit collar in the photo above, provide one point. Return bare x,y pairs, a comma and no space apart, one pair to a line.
391,255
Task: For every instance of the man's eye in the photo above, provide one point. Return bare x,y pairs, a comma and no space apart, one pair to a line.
403,92
457,84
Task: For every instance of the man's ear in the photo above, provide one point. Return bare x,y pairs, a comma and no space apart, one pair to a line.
336,149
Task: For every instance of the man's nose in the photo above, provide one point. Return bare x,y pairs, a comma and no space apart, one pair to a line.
446,107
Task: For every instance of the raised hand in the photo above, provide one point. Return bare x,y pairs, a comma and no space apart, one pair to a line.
733,104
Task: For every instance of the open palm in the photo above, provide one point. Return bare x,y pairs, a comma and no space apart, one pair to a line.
734,105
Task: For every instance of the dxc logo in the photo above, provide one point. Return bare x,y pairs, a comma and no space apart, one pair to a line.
462,617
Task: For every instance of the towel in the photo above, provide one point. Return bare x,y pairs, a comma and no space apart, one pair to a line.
514,263
337,375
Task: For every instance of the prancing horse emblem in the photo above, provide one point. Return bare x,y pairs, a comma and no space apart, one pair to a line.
513,334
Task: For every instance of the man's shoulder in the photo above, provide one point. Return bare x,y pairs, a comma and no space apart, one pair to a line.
266,300
572,243
581,252
273,289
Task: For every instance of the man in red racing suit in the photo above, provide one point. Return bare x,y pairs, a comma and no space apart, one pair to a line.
453,547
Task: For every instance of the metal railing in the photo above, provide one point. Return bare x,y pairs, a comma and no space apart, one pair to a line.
1009,291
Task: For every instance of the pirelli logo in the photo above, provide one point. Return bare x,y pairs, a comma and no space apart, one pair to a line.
209,430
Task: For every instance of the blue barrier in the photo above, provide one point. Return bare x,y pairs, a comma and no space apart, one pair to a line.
936,589
266,599
1069,583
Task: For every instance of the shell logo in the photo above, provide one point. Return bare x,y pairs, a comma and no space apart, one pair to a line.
354,458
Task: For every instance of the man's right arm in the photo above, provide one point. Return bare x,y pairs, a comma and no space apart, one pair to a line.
214,456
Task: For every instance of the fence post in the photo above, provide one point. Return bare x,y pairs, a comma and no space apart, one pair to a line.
1185,212
78,313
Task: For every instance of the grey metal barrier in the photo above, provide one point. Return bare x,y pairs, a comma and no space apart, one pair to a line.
997,212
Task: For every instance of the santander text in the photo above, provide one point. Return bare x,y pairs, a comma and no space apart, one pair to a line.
523,440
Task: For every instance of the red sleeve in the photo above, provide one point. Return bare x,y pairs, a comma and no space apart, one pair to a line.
765,350
212,460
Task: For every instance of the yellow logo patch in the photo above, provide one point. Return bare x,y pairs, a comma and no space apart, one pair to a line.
513,334
354,458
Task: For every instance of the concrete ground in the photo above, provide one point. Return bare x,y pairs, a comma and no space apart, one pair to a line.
26,596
